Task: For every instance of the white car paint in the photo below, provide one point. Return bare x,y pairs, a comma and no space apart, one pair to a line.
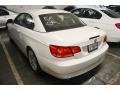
39,40
105,23
4,18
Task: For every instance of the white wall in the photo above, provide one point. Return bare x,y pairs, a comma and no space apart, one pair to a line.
21,8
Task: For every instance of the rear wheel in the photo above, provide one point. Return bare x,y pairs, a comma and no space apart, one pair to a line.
33,61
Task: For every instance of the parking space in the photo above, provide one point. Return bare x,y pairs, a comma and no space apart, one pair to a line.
106,73
6,75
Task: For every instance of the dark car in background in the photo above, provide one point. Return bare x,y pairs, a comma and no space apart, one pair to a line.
49,7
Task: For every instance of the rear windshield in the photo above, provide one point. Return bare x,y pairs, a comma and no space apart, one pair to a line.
60,21
111,13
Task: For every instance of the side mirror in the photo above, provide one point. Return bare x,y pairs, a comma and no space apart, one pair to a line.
10,21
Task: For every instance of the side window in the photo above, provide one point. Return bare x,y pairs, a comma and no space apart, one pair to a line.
90,13
3,12
19,19
25,20
78,12
28,21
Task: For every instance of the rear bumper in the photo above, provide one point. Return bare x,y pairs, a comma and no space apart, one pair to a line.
75,67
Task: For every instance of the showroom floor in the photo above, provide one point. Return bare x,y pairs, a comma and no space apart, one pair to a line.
14,68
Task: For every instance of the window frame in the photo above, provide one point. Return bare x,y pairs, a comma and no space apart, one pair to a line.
87,10
111,13
47,30
76,10
23,25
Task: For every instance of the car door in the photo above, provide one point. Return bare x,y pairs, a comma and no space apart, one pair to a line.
12,30
90,16
3,17
23,23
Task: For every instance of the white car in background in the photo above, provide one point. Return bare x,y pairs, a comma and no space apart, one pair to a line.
57,42
6,14
101,18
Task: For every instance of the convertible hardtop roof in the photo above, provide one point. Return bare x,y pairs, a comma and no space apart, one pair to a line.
44,11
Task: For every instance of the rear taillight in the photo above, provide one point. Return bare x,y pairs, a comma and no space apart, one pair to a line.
117,25
64,51
105,39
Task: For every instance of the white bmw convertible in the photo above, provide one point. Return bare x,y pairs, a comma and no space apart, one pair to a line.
57,42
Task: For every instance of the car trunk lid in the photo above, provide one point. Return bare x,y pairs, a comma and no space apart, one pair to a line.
87,38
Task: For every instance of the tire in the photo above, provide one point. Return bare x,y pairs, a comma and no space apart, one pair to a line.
33,61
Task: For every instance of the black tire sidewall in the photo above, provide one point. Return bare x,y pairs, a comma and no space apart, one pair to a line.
38,66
